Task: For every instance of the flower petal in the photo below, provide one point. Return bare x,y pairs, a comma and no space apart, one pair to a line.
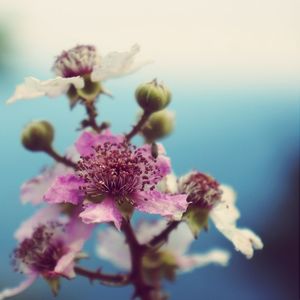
43,215
180,239
89,139
168,184
191,262
33,88
10,292
116,64
154,202
224,215
76,234
106,211
34,189
65,189
112,247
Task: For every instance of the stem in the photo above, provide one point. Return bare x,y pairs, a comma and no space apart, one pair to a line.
137,251
59,158
109,279
92,114
161,238
136,129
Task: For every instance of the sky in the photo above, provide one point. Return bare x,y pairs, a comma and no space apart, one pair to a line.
216,40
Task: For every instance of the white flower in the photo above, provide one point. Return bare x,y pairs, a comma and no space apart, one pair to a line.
72,65
225,215
112,247
219,201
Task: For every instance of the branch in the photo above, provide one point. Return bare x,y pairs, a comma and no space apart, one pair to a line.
137,251
92,114
161,238
61,159
137,128
107,279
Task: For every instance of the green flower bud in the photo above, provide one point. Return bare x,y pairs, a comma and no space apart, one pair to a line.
152,96
159,125
38,136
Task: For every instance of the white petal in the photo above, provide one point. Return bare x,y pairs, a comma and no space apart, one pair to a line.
10,292
180,240
226,212
116,64
244,240
168,184
146,230
33,87
191,262
225,215
113,248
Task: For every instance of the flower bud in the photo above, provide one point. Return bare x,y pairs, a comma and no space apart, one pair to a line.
38,136
152,96
159,125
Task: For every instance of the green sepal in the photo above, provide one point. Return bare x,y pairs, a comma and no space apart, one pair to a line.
73,96
54,284
91,90
196,218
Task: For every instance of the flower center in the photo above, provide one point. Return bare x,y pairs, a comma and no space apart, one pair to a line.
118,170
78,61
201,189
41,251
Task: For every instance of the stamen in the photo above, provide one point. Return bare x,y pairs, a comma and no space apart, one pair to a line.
41,251
78,61
118,170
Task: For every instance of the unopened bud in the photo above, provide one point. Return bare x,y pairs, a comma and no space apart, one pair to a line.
153,96
159,125
38,136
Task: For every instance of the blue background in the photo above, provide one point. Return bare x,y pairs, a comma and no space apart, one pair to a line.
246,136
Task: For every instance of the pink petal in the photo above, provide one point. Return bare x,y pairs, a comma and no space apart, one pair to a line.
34,189
65,265
89,139
76,234
106,211
45,214
154,202
10,292
65,189
163,162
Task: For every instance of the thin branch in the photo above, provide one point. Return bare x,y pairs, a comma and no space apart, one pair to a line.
138,127
61,159
107,279
92,115
161,238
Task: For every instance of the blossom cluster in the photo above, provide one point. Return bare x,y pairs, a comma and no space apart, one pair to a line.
104,178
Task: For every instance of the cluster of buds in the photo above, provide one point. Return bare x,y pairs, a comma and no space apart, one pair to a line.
105,178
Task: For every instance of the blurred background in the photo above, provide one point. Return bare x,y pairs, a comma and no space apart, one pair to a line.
234,69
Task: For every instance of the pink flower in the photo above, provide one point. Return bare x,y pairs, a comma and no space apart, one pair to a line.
112,172
219,201
48,246
113,247
34,189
